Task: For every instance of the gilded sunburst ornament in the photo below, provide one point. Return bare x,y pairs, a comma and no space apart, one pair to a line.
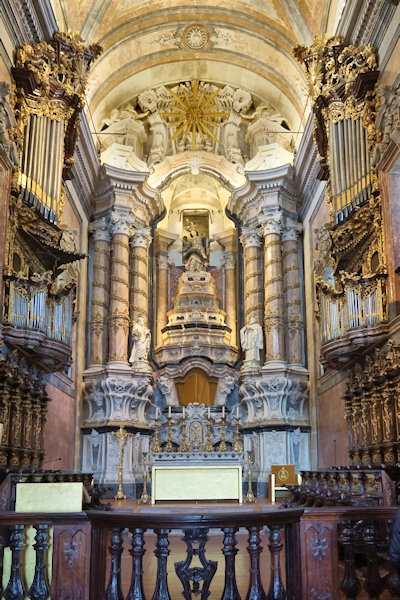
194,113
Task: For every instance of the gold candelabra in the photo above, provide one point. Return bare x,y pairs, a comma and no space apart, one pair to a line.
121,435
222,445
237,445
168,446
156,447
250,498
209,446
183,447
144,498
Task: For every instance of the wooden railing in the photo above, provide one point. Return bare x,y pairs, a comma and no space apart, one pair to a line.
329,552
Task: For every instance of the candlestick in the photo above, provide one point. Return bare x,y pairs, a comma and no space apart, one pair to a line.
250,497
121,435
183,447
169,446
237,445
144,498
156,442
222,445
209,446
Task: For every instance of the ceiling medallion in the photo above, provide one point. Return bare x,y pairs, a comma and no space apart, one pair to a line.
195,37
194,113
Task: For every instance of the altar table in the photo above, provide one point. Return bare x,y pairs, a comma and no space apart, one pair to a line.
196,482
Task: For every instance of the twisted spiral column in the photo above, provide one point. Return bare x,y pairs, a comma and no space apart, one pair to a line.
253,291
140,244
271,223
119,298
100,230
291,292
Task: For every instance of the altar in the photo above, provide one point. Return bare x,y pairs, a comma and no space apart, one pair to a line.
197,476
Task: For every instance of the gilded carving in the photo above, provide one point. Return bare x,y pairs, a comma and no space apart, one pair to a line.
138,257
119,298
120,261
121,280
139,274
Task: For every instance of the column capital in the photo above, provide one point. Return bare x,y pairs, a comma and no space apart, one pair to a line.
291,230
163,262
271,221
250,237
100,230
122,222
229,261
141,238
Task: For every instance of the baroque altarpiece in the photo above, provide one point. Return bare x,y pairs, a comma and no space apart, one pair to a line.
194,273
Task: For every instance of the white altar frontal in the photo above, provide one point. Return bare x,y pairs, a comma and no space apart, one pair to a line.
193,476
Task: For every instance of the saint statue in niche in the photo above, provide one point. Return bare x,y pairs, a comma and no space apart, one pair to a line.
195,249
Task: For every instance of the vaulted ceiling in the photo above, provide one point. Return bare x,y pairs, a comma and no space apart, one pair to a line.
246,44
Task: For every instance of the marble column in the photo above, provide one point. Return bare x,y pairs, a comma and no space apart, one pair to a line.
291,292
163,240
227,241
139,292
271,222
119,298
253,291
100,229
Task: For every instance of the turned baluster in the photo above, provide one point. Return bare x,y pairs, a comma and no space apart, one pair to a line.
39,589
15,589
161,589
276,590
114,589
256,590
229,550
350,585
136,591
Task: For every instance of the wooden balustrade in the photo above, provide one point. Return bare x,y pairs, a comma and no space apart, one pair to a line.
196,524
343,486
330,552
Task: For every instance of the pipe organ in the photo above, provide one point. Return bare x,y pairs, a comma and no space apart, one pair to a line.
50,79
39,279
351,284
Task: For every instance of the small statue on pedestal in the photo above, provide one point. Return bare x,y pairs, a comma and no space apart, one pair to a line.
141,337
251,339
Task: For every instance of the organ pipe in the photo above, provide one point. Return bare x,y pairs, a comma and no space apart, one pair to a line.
350,166
42,164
